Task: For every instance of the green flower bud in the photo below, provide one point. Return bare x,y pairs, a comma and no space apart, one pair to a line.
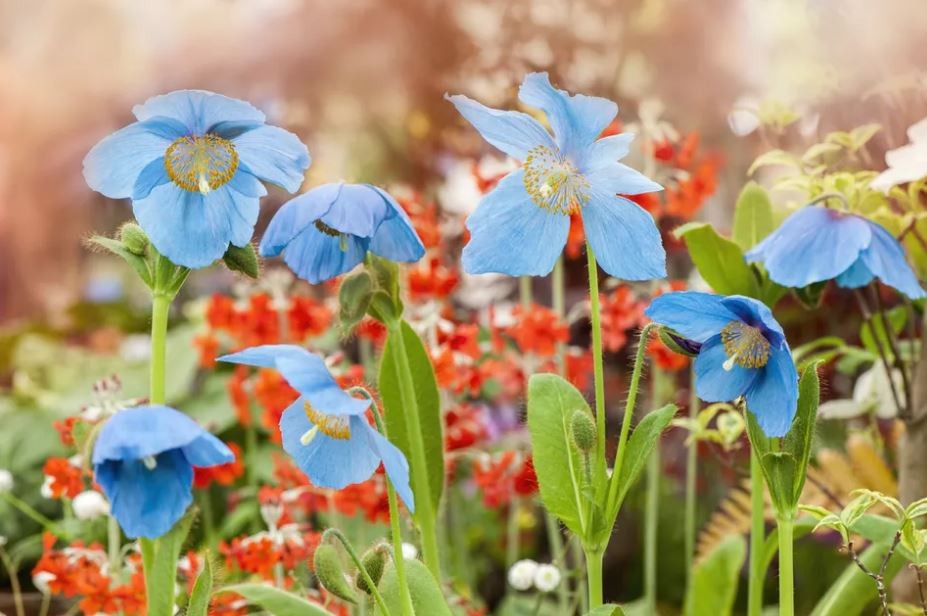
677,344
583,431
242,259
374,561
330,573
133,238
353,300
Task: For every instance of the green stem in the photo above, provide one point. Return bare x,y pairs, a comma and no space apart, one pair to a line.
114,546
525,294
209,525
594,576
377,597
757,537
558,305
512,533
786,567
11,571
160,306
557,556
597,365
28,511
691,478
579,566
424,514
652,503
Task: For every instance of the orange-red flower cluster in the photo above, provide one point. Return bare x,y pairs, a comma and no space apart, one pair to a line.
504,476
223,474
64,478
620,312
538,330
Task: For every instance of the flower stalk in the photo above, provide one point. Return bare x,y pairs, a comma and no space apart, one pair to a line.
757,537
691,478
598,362
786,566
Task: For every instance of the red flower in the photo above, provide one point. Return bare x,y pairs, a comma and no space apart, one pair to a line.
431,279
66,479
238,394
208,347
223,474
307,317
576,238
621,311
464,426
274,394
667,360
538,330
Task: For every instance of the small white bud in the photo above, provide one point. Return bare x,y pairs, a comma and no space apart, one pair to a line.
46,490
6,480
89,505
77,460
547,578
42,579
409,551
521,575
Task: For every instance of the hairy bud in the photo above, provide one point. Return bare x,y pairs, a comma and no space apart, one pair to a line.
583,431
374,561
331,574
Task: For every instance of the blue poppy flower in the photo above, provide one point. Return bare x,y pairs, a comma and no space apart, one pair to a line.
742,352
144,458
817,243
326,430
193,165
521,226
328,231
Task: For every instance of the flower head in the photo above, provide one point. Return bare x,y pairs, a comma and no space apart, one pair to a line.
907,163
743,352
144,459
6,480
521,227
521,574
817,243
193,165
547,578
326,430
327,231
89,504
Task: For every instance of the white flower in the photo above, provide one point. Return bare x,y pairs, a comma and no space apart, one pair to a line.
41,580
89,505
409,551
546,578
907,163
46,490
460,191
521,575
872,391
6,480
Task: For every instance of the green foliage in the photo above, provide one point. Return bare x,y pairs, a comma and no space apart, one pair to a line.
714,581
429,410
242,259
353,300
202,590
275,601
609,609
373,561
785,467
753,216
729,426
719,260
160,560
330,572
873,335
560,467
427,597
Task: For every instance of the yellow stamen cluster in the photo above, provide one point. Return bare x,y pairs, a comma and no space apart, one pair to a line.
745,346
553,183
201,163
335,426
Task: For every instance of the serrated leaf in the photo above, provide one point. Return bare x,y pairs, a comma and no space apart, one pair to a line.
720,261
275,601
558,465
426,594
429,410
714,581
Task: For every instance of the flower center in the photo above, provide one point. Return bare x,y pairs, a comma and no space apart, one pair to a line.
201,163
332,232
553,183
333,426
745,346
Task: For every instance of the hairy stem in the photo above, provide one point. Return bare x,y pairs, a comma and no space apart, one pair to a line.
691,477
757,537
597,363
786,567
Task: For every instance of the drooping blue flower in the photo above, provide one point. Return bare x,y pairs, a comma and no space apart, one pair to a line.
817,243
193,165
742,352
144,458
521,226
328,231
326,430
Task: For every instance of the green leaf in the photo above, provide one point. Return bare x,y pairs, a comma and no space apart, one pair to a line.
810,296
714,580
609,609
137,262
753,216
719,260
559,467
872,333
429,410
277,602
774,157
202,590
160,560
427,597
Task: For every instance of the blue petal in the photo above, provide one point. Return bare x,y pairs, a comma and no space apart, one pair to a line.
715,384
605,152
310,377
297,214
144,431
885,258
274,155
512,132
696,316
577,120
358,210
624,237
113,165
316,257
512,235
395,238
207,451
858,275
266,355
194,230
198,110
773,398
396,465
246,184
153,175
328,462
756,313
147,503
812,245
616,178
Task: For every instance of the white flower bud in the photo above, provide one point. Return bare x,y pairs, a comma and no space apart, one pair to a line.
89,505
6,480
546,578
409,551
41,581
46,490
521,575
